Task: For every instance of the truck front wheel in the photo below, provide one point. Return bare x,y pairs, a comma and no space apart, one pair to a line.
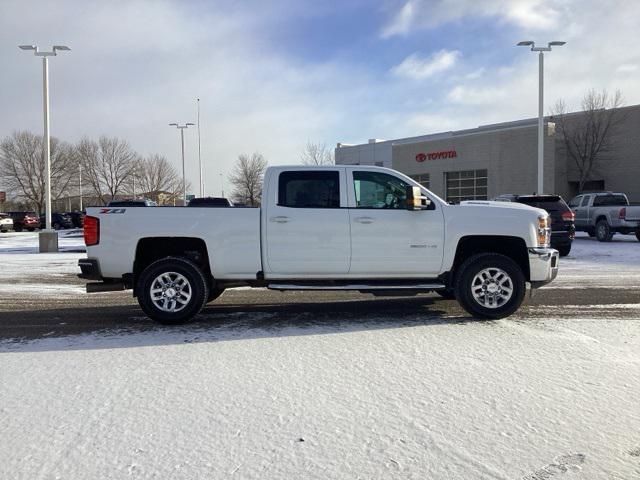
490,285
172,290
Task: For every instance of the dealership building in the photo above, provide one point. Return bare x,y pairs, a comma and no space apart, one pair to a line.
491,160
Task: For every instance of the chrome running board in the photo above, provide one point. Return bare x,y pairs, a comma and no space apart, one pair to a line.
356,286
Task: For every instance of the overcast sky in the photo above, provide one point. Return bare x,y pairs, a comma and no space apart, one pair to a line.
272,75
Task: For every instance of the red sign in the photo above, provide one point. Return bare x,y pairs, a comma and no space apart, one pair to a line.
3,197
421,157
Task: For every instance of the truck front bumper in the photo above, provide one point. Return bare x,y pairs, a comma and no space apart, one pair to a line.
543,265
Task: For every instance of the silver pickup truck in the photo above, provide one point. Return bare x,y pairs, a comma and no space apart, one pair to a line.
604,214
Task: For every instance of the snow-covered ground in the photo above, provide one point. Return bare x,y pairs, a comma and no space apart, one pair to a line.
252,395
24,271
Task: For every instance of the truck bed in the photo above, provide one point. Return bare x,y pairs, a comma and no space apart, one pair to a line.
232,236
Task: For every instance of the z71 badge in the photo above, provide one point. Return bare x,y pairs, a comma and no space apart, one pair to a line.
112,210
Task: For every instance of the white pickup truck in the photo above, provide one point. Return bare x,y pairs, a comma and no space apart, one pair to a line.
369,229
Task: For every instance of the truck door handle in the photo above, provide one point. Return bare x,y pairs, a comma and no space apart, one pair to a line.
365,220
279,219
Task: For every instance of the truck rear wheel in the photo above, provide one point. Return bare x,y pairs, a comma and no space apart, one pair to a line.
490,285
603,231
638,234
172,290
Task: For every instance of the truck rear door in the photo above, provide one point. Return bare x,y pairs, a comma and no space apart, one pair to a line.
307,223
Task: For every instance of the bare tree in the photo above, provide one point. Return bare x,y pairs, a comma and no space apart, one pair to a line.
317,154
155,175
22,167
246,179
108,165
587,136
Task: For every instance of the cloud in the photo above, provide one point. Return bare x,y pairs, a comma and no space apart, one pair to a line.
429,14
417,68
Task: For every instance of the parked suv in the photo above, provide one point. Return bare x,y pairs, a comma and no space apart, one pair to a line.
6,223
215,202
25,221
132,203
563,230
77,218
58,221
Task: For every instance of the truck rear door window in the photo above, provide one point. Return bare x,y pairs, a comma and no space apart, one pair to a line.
613,200
308,189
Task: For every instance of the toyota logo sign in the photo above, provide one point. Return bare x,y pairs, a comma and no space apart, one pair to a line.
422,157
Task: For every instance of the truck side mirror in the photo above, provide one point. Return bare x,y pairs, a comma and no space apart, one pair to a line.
415,199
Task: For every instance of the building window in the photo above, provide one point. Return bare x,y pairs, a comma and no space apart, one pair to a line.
309,189
466,185
422,179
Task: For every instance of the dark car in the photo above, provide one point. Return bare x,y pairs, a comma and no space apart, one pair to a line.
563,229
77,218
24,221
58,221
215,202
132,203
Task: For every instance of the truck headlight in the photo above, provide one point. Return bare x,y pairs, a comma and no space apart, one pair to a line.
544,232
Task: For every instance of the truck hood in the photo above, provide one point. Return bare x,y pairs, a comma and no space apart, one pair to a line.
502,205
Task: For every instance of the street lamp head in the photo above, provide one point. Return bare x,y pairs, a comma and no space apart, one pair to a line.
187,124
27,47
556,44
61,47
526,43
173,124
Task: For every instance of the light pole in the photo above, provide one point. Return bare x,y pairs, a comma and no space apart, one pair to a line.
540,50
80,184
222,185
48,240
199,153
184,178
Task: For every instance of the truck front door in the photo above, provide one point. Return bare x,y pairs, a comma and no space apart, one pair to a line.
306,225
386,238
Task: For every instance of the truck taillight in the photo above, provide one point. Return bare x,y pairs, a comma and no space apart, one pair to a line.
91,231
568,216
622,214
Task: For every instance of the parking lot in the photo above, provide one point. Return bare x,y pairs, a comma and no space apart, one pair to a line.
336,385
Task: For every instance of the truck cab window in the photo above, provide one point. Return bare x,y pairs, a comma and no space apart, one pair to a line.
309,189
379,190
585,200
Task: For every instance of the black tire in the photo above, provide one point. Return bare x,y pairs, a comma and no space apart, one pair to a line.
193,275
564,250
603,231
31,229
638,234
55,226
447,294
17,229
214,293
473,267
591,233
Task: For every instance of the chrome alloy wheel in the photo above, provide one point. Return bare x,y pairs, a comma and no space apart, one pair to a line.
492,287
170,292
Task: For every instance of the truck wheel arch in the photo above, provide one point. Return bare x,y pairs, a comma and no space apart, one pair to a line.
151,249
512,247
